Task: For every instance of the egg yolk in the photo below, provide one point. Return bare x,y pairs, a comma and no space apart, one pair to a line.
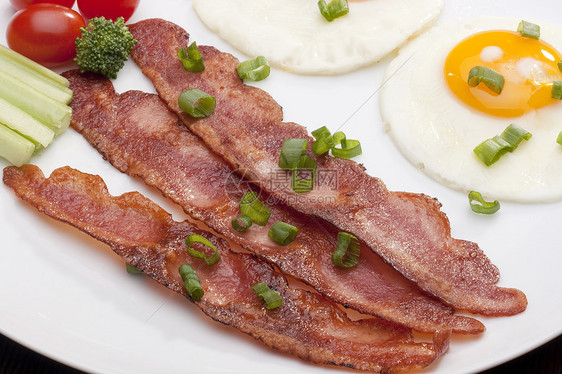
529,66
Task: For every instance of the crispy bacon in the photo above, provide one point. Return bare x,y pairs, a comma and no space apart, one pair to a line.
137,133
306,325
407,230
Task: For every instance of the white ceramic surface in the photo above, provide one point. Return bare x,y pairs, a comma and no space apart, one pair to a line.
67,296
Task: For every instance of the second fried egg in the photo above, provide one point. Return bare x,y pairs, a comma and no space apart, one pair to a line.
294,36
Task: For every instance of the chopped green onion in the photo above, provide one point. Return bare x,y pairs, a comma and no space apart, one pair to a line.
529,30
323,141
270,297
191,282
338,137
241,223
349,149
306,165
194,238
196,103
191,60
556,90
491,78
282,233
291,152
479,205
334,9
132,269
255,69
559,138
560,65
492,149
348,247
251,207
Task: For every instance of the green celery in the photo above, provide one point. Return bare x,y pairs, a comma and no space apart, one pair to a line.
18,120
45,109
14,147
22,60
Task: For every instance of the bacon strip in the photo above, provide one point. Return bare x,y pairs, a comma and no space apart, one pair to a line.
140,136
306,325
407,230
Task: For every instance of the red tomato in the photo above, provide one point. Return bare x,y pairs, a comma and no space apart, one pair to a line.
110,9
20,4
45,33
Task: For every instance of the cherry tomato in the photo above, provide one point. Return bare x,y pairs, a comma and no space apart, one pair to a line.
20,4
110,9
45,33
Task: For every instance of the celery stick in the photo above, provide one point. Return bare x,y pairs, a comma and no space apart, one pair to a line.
7,52
48,111
18,120
14,147
41,83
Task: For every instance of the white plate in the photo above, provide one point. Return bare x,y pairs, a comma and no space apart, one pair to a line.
67,296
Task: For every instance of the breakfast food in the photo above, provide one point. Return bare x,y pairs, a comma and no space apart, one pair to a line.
246,129
293,35
150,133
306,324
436,119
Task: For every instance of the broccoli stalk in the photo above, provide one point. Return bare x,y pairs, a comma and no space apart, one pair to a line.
104,46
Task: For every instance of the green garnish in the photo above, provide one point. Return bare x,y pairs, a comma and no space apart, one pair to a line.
306,166
132,269
492,149
191,59
291,152
334,9
194,238
529,30
191,282
491,78
346,253
241,223
556,90
323,141
559,138
479,205
270,297
255,69
254,209
560,65
282,233
104,46
196,103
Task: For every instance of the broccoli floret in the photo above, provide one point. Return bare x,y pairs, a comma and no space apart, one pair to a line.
104,46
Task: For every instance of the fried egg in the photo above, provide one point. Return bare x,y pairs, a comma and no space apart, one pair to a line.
294,36
436,119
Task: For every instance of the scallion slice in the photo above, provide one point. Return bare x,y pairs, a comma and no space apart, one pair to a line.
241,223
132,269
479,205
556,90
323,141
529,30
270,297
492,149
491,78
346,253
349,149
559,138
255,69
194,238
282,233
192,60
334,9
307,166
251,207
191,282
291,152
196,103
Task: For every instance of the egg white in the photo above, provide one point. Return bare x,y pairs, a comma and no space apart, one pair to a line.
437,133
294,36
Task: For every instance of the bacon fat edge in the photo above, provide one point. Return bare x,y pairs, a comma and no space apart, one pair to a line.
306,325
140,136
247,129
